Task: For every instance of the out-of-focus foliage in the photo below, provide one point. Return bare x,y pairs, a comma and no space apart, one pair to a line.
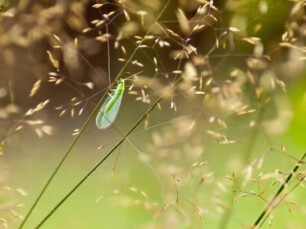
213,152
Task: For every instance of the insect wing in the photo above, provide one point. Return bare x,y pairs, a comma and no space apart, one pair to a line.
110,117
99,118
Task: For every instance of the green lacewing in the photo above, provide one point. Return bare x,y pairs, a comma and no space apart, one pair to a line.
110,108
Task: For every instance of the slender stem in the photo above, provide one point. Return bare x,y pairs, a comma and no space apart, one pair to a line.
279,191
281,199
97,165
123,69
108,58
59,166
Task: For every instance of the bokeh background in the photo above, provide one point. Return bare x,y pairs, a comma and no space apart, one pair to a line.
211,155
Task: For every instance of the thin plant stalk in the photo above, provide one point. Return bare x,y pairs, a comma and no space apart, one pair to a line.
97,165
284,196
123,69
270,205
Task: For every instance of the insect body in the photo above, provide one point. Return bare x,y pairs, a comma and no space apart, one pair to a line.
109,110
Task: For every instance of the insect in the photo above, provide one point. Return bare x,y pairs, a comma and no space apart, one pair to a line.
109,110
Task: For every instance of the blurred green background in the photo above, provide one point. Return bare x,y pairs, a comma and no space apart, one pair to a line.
172,191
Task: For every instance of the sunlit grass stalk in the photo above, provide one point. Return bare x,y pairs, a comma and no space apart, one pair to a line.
270,205
281,199
92,114
98,164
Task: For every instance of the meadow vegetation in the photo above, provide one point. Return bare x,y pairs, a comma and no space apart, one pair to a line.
200,109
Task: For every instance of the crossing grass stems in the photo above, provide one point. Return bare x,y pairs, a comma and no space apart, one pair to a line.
90,117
